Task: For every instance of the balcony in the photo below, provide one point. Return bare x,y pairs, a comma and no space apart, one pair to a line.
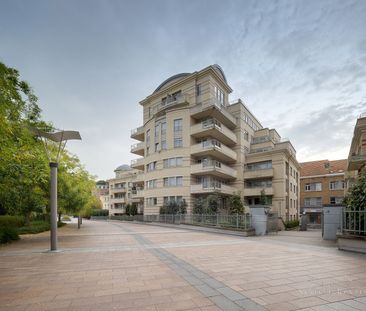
214,129
118,200
250,192
138,133
258,173
214,168
137,195
177,101
214,149
356,162
215,110
224,189
138,149
138,164
118,190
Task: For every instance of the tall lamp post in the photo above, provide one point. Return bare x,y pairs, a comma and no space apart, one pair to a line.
59,139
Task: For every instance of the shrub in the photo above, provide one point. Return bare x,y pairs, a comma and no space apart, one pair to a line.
11,221
291,224
35,227
99,212
8,234
66,218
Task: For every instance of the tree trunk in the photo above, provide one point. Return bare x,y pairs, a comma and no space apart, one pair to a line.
59,217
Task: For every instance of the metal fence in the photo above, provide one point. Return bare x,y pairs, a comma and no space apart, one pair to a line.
354,223
238,222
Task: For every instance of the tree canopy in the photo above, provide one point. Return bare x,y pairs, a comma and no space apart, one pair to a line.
24,169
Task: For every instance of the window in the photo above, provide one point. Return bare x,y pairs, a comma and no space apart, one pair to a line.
178,199
163,145
219,95
259,166
156,147
336,200
147,151
178,142
150,184
313,202
173,162
313,187
148,137
246,136
163,128
151,166
175,181
290,186
198,89
178,125
151,201
258,183
336,185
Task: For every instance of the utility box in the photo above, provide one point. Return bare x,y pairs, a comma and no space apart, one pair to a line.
331,224
259,215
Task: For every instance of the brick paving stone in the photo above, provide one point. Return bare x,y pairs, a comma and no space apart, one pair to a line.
130,266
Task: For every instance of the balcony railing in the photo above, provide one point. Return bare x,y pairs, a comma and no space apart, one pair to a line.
211,188
137,130
214,109
215,129
217,148
137,163
216,167
173,101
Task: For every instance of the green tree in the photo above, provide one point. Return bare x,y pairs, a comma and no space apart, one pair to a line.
355,200
263,198
128,209
173,207
213,204
199,205
133,209
236,205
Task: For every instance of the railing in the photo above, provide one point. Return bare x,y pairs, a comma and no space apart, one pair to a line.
362,115
354,223
137,146
136,130
238,222
172,101
358,157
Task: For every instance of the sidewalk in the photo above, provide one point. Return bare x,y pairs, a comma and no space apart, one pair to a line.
129,266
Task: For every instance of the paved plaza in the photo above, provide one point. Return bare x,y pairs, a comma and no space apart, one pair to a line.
129,266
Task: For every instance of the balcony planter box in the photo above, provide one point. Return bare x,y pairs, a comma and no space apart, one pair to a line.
352,243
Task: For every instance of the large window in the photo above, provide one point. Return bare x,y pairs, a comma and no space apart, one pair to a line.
259,166
173,162
309,202
219,95
178,142
148,137
150,184
178,199
259,183
336,185
151,166
336,200
313,186
178,125
151,201
174,181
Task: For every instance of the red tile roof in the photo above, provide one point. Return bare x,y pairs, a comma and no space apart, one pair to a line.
323,167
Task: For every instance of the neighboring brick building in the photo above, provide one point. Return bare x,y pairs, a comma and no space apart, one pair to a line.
321,184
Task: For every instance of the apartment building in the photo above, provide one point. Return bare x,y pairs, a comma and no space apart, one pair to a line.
126,188
356,162
102,193
322,184
193,143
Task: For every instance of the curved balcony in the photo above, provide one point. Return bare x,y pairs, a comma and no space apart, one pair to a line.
224,189
213,128
138,149
138,133
138,164
214,168
214,149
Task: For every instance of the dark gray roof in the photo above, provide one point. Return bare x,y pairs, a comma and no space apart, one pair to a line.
172,78
123,167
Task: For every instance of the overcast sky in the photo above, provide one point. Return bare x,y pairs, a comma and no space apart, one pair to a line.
300,66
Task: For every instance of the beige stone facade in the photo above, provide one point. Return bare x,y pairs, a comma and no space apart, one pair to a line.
194,143
357,153
126,188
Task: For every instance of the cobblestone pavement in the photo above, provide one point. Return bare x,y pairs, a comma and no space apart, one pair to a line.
128,266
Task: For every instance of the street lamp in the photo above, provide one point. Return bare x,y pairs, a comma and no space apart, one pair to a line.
60,138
